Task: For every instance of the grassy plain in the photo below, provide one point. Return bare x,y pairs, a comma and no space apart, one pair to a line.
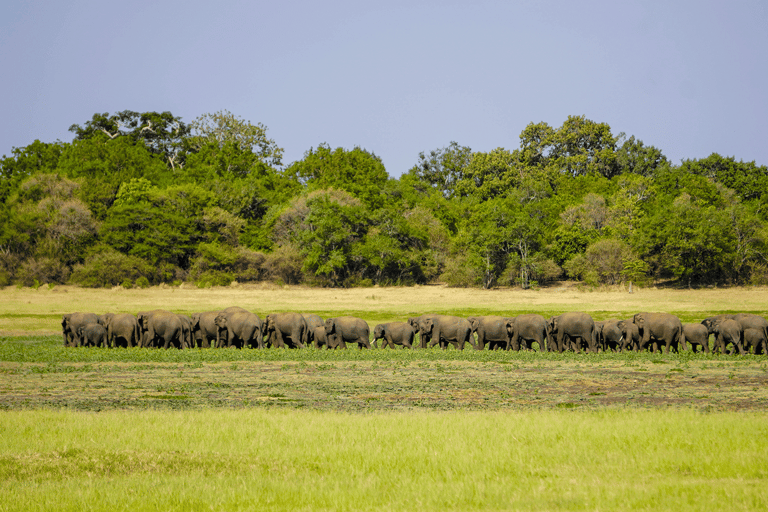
94,429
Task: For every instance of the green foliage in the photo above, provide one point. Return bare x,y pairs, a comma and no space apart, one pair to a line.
442,169
210,202
107,267
224,129
357,171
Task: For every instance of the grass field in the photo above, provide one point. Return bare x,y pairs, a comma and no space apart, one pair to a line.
138,429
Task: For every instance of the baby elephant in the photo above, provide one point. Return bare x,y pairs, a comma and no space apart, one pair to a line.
394,333
92,335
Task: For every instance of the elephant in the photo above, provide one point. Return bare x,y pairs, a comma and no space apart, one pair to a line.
318,337
122,327
575,328
186,328
525,329
241,326
452,329
610,335
697,334
70,322
221,332
660,327
424,337
754,338
347,329
394,333
726,330
161,327
92,335
313,321
204,328
278,327
491,329
759,339
631,335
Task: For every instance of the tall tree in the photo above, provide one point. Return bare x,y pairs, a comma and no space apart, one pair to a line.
359,172
161,133
222,128
443,168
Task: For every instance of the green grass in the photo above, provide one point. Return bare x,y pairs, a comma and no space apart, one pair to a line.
302,460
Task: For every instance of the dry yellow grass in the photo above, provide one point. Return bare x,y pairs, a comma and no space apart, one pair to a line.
30,311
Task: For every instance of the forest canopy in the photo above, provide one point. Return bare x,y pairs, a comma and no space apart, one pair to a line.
137,199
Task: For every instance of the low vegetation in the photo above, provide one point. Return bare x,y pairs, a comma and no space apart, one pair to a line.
275,429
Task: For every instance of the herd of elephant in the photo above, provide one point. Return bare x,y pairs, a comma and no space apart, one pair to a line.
236,327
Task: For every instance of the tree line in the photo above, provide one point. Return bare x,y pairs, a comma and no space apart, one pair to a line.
137,199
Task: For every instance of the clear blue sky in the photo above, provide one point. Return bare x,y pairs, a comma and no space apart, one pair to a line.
396,77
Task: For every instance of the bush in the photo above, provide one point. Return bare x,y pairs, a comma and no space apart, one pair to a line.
606,261
110,268
458,273
538,269
285,263
42,270
142,282
214,278
249,265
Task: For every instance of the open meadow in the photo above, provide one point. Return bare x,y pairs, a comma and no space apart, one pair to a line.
275,429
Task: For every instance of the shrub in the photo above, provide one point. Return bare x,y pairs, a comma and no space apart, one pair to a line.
458,273
285,263
110,268
214,278
42,270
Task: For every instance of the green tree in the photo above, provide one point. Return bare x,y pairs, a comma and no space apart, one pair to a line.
359,172
750,181
632,156
442,169
161,133
222,128
105,164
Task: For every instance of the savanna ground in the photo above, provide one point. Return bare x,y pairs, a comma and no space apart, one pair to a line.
380,430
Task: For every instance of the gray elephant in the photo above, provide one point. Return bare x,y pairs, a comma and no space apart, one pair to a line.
221,332
186,330
610,335
490,329
92,335
319,338
756,340
451,329
243,329
161,328
660,328
573,329
726,330
424,337
697,335
347,329
631,335
759,339
313,321
281,327
70,322
204,329
394,333
526,329
122,329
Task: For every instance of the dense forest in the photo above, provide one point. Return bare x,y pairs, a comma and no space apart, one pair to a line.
137,199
